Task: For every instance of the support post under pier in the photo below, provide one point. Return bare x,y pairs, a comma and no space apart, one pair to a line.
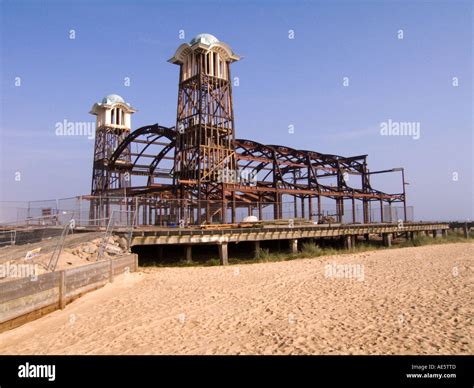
294,246
223,253
256,248
348,242
189,253
387,239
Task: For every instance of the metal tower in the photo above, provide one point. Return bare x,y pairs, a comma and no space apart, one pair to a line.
112,127
205,153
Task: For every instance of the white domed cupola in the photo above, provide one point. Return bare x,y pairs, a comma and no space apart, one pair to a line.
113,112
204,54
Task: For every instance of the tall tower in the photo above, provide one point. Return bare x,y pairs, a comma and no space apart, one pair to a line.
112,126
205,120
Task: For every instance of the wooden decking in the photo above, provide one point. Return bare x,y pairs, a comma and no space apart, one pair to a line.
151,236
223,236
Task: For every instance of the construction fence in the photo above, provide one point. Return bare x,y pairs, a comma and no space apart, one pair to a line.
85,211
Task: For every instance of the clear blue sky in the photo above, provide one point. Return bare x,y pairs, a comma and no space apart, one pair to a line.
282,82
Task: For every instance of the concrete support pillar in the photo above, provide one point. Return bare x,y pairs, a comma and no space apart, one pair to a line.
347,242
435,233
188,253
223,255
387,239
257,248
444,232
466,230
294,246
353,241
366,237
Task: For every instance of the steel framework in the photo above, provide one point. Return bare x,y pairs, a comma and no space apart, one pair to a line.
197,172
279,171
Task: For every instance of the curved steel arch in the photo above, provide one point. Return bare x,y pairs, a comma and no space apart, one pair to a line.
155,129
158,158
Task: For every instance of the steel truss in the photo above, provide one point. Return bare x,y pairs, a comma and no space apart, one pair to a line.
278,172
198,172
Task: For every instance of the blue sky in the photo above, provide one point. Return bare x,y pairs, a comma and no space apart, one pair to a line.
283,82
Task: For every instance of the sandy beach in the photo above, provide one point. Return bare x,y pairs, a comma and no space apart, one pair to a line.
398,301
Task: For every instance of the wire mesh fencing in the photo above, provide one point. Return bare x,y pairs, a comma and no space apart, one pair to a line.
93,212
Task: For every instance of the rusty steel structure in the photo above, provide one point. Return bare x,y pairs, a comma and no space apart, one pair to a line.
204,145
197,171
110,134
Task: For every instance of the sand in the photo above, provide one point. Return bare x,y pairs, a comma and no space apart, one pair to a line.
410,301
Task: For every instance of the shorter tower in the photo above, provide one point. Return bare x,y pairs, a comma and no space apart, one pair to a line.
113,124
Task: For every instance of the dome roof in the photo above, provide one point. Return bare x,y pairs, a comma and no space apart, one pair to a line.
112,99
207,39
108,102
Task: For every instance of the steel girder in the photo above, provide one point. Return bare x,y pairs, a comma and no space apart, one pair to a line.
279,170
